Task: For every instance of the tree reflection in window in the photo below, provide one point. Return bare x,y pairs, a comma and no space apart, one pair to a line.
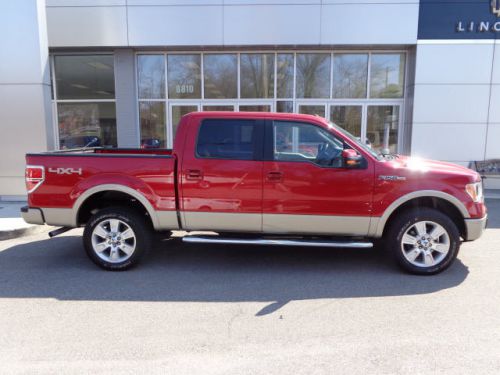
313,75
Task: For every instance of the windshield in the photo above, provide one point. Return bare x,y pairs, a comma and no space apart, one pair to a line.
364,146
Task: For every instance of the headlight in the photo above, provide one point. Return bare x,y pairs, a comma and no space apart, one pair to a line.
475,191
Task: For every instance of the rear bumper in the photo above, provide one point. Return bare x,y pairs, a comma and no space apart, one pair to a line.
64,217
475,227
32,215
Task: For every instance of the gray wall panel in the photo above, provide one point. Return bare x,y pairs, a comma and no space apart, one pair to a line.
85,3
443,103
272,24
494,115
496,64
434,141
455,112
175,25
173,2
493,142
87,26
25,111
21,43
126,101
231,22
369,23
454,63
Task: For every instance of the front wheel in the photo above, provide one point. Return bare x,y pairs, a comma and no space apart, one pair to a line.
115,238
424,241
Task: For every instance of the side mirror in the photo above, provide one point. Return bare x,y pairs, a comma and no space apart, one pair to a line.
351,158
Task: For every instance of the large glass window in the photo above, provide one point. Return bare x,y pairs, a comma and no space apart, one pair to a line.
347,117
220,76
86,124
387,75
305,142
151,76
312,109
284,75
85,77
152,118
382,127
257,75
255,108
177,112
184,76
284,106
226,139
85,100
334,84
350,75
313,75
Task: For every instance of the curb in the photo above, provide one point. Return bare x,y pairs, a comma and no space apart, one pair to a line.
23,232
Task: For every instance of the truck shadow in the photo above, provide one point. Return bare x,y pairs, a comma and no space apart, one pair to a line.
173,271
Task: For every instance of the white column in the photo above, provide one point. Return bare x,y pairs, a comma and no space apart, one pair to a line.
25,102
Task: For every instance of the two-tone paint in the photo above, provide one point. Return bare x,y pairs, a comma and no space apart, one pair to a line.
181,190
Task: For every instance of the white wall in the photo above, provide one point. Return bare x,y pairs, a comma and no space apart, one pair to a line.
124,23
456,113
25,107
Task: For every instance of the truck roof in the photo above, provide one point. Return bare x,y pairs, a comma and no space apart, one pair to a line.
257,115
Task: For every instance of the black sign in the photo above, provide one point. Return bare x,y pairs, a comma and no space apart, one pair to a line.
459,19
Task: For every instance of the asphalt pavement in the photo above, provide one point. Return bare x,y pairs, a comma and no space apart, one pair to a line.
199,309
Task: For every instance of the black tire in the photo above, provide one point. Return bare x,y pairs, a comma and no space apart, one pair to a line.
135,221
404,222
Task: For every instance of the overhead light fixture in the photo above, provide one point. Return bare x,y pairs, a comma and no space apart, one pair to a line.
99,65
78,86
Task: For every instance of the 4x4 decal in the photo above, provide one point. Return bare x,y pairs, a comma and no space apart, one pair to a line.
61,170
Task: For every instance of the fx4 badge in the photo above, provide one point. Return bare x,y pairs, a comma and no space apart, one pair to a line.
62,170
392,178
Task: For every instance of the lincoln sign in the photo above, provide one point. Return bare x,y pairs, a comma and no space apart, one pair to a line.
478,19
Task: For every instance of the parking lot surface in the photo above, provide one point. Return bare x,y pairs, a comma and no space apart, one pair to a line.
190,309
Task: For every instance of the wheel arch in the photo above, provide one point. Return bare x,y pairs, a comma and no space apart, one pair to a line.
94,192
425,198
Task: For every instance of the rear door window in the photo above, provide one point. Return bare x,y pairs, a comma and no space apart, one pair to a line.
228,139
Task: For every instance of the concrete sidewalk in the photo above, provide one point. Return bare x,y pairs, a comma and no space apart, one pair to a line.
12,224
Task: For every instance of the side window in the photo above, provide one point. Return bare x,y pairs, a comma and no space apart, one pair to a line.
294,141
227,139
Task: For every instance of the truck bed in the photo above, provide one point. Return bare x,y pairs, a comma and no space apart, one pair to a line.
70,173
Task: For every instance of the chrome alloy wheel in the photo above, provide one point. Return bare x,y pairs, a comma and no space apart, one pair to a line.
425,244
113,240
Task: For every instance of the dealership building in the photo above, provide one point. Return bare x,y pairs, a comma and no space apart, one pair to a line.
415,77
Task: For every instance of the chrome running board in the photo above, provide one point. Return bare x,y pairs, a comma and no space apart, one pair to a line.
264,241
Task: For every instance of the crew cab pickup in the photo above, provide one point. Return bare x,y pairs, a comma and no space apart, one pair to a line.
258,178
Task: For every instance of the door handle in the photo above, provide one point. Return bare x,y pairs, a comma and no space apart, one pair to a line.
275,176
194,174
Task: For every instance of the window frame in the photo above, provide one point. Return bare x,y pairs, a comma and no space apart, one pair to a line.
402,146
269,145
56,101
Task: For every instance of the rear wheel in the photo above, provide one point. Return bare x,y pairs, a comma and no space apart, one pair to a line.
424,241
116,238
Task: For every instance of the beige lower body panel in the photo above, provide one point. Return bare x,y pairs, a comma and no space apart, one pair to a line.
316,224
277,223
64,217
167,220
221,221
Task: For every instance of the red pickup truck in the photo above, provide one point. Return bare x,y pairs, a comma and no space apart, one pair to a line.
258,178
